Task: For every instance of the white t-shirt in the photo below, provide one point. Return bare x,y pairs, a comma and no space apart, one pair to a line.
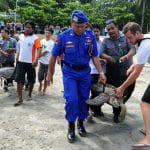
47,46
27,47
143,52
93,68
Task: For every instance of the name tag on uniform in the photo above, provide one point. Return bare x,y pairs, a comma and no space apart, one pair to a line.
69,45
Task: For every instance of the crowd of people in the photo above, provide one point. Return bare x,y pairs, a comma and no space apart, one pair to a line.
86,59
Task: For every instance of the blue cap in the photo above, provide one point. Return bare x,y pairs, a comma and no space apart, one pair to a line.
78,16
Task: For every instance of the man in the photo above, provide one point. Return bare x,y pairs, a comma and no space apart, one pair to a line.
7,53
96,110
134,35
118,53
28,52
47,45
78,46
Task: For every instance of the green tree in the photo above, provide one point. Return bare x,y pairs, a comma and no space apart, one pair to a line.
40,11
120,10
3,5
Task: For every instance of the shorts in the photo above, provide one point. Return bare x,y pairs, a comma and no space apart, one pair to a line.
146,96
22,69
42,73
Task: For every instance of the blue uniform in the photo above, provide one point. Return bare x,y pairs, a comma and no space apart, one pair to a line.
77,52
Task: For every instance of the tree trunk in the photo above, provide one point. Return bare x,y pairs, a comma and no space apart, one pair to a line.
143,11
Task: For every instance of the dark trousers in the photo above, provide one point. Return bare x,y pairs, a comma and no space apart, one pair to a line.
94,80
115,76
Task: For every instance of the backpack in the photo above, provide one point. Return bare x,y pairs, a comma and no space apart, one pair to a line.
139,41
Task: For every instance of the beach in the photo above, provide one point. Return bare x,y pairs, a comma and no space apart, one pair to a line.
40,124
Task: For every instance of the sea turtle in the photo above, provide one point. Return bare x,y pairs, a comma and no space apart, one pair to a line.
107,94
6,72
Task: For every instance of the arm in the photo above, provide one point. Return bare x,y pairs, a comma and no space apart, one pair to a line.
43,54
14,46
35,62
51,68
98,66
103,60
38,47
3,53
130,54
135,72
9,50
108,58
17,56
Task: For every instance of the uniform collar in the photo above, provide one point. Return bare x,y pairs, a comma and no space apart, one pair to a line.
72,33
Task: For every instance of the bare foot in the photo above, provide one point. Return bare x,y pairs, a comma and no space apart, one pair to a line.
43,93
145,141
40,88
29,99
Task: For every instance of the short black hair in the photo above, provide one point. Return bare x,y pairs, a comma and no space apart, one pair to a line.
30,23
95,25
5,30
50,30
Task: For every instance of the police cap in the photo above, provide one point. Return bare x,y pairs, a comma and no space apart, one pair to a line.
79,16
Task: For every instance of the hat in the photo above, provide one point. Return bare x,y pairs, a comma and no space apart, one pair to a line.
79,17
109,21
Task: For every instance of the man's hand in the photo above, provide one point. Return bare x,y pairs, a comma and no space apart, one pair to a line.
111,60
102,78
3,53
123,58
49,79
103,60
35,63
9,50
119,91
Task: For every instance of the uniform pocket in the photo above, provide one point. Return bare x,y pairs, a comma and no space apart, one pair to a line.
70,50
70,54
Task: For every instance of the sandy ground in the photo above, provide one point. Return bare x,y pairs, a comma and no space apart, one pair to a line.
40,124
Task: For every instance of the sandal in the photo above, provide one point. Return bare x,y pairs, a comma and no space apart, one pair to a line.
140,146
143,131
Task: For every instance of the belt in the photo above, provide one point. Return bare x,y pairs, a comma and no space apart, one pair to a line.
76,67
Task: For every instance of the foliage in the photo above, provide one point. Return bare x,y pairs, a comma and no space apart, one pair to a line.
3,5
6,19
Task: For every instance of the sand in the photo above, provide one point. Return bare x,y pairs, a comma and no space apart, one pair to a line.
40,124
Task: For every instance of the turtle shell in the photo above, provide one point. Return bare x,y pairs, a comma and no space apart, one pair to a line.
99,100
107,96
113,100
6,72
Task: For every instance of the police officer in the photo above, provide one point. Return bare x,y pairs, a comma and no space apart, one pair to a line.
78,45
